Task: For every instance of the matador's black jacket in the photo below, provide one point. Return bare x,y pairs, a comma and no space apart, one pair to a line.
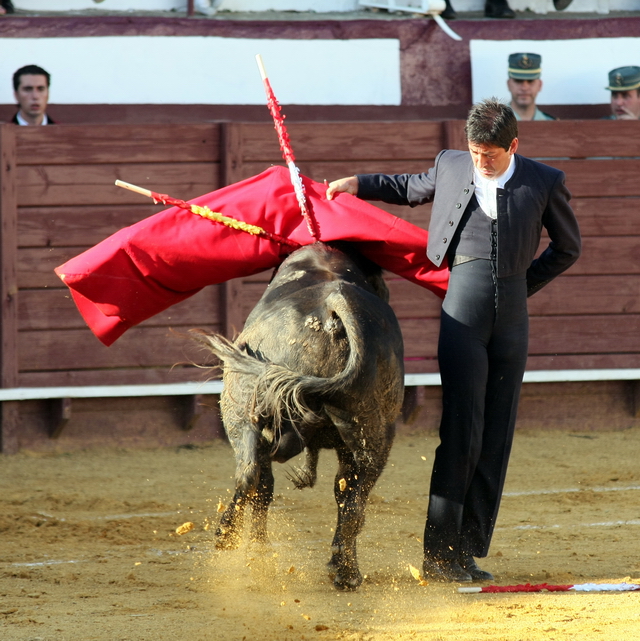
534,197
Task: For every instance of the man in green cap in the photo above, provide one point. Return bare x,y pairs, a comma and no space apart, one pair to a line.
624,85
524,84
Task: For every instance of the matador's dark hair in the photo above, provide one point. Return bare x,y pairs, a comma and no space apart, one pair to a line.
491,122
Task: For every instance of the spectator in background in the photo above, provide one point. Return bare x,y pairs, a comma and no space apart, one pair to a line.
492,9
31,90
524,85
624,85
498,9
207,7
6,6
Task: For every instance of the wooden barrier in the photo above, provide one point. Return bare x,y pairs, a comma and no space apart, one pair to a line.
57,197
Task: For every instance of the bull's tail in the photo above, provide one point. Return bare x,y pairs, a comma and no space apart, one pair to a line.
280,394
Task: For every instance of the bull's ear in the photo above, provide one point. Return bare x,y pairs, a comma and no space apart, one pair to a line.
379,286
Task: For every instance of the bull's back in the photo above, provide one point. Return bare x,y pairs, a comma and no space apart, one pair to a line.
307,331
321,317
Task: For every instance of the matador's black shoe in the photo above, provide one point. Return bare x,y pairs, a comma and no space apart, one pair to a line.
561,5
469,565
445,570
7,5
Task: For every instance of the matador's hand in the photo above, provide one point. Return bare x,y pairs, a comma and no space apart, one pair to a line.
348,185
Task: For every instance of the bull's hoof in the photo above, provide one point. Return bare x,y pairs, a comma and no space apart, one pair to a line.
347,581
343,577
227,540
301,477
259,545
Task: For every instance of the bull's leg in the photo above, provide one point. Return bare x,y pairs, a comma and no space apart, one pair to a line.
261,499
352,486
353,483
244,440
343,566
229,530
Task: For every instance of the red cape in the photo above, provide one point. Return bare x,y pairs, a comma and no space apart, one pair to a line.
141,270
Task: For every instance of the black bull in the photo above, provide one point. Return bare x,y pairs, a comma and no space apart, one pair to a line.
319,364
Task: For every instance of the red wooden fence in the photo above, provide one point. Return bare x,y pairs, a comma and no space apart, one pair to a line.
57,197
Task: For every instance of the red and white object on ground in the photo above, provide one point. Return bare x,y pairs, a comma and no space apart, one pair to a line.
546,587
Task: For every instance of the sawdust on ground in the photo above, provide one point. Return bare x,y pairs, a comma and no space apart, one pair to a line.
89,550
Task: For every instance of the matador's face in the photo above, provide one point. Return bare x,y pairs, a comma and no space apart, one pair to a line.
489,160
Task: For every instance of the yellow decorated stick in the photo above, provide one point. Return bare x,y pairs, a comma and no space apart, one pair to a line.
205,212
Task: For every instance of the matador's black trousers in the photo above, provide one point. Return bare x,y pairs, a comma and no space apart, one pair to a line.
482,353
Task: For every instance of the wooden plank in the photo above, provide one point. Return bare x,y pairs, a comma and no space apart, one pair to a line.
598,178
454,135
409,300
346,141
231,150
619,255
115,376
420,337
232,147
595,334
610,216
79,349
35,265
48,309
193,407
331,170
582,361
233,311
556,336
635,398
64,185
8,257
77,226
59,415
9,411
416,365
421,365
569,295
94,144
578,138
10,422
251,294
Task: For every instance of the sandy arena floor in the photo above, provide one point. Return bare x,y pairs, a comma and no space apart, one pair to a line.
89,550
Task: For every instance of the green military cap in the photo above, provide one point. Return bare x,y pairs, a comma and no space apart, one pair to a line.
525,66
624,79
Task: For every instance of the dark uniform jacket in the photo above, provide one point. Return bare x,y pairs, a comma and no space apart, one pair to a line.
533,198
14,120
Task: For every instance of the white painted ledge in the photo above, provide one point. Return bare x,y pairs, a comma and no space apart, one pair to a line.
546,376
109,391
215,387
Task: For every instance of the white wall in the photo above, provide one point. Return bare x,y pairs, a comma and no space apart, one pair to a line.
105,5
574,72
207,70
320,6
546,6
180,5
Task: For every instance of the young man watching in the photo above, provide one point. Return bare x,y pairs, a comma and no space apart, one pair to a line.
31,91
